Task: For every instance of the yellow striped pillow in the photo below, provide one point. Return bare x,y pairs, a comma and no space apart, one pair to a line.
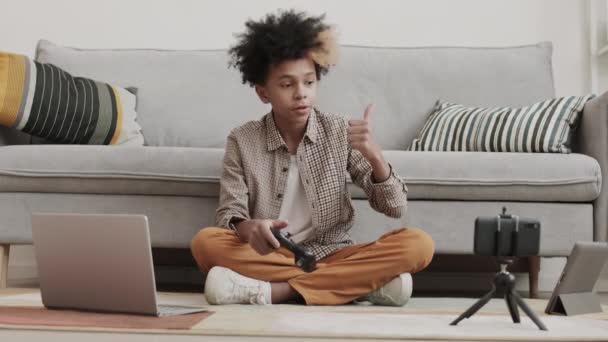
46,101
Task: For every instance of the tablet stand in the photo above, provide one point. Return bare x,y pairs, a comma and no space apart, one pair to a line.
570,304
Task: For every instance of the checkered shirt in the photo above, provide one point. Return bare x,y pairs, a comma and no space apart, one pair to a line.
254,176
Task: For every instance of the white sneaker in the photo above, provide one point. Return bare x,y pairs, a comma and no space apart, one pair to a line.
224,286
395,293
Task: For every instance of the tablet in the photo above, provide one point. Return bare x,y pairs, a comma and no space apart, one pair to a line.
573,293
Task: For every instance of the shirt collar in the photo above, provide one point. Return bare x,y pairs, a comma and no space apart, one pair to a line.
274,139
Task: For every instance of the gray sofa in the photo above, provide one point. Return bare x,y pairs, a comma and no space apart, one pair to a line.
189,100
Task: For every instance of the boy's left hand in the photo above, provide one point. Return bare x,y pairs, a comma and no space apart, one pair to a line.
359,136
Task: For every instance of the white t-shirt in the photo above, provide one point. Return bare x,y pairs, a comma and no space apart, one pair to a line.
295,208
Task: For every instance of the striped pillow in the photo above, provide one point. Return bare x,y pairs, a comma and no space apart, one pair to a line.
545,126
46,101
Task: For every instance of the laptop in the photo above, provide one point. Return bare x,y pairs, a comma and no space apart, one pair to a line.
573,294
98,262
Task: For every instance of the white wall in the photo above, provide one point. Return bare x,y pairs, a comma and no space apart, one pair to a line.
195,24
598,13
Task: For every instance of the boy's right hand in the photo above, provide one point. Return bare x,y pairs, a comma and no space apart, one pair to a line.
257,233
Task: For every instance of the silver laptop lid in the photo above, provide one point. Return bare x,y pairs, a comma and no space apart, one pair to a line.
100,262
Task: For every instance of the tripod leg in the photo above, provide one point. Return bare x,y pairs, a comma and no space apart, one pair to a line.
475,307
528,311
512,307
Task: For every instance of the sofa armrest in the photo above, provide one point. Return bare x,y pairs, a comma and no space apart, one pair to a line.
592,140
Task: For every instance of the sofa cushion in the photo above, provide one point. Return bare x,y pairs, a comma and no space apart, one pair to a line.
110,170
196,172
545,177
545,126
46,101
191,98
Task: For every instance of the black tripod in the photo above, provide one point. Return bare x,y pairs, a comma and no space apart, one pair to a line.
504,283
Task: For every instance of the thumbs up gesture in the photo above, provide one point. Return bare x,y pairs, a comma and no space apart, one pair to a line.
359,136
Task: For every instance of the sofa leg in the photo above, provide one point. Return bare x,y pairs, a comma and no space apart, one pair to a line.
4,248
533,272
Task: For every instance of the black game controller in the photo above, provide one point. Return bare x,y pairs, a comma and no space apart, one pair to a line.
303,258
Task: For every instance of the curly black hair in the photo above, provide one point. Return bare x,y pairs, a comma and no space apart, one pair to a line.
276,38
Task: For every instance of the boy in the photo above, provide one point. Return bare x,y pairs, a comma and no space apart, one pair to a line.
288,171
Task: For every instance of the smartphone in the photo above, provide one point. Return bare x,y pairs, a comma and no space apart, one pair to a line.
507,235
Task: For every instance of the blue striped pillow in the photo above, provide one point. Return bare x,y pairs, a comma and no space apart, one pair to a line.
545,126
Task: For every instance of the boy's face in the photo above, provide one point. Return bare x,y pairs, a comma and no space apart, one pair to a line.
290,88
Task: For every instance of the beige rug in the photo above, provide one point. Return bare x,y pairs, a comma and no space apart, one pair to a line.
422,318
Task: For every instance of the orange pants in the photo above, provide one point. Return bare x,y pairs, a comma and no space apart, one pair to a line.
340,277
